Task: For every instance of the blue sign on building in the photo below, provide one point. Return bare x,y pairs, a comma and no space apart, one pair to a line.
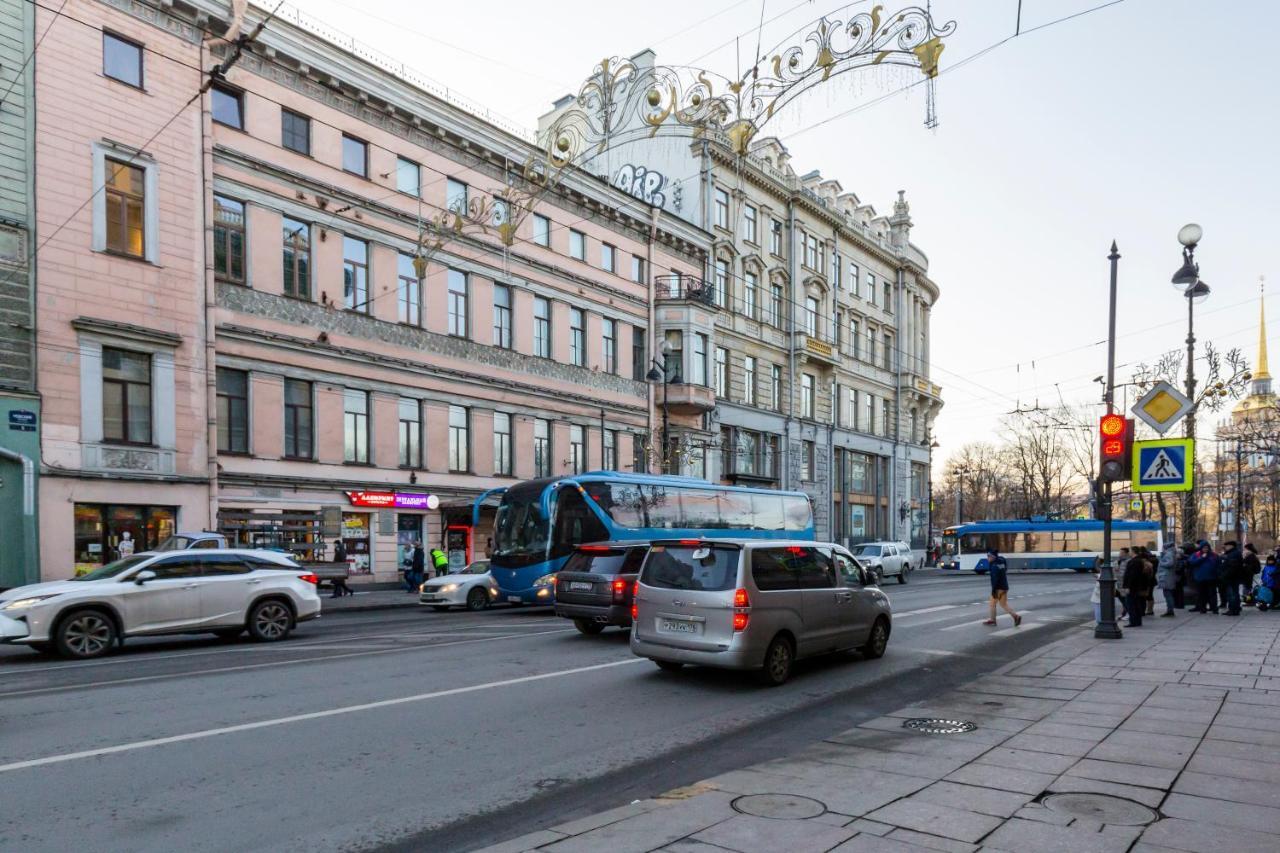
22,420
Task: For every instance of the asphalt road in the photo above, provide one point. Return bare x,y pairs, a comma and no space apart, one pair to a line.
412,730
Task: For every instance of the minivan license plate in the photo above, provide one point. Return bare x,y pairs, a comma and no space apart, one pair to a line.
580,585
679,626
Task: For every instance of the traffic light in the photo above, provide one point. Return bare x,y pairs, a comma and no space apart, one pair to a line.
1115,443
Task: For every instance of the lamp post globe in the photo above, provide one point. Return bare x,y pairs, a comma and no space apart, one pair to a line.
1189,235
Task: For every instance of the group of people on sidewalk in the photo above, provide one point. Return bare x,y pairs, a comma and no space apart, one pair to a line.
1222,581
415,566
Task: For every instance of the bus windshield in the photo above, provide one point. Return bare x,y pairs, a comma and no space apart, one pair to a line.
521,532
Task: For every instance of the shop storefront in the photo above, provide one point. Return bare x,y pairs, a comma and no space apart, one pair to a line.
358,528
408,531
100,528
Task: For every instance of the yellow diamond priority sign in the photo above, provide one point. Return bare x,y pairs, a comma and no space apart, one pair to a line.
1161,407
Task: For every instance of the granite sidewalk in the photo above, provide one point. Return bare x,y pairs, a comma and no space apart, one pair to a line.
1166,740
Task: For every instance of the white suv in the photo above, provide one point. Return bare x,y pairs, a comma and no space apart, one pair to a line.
887,559
224,592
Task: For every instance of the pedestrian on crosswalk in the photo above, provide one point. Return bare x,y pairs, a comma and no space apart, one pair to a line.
998,569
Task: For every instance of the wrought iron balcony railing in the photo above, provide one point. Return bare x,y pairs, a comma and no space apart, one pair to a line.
684,287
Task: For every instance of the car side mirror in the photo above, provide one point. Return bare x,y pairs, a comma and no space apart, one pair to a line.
143,576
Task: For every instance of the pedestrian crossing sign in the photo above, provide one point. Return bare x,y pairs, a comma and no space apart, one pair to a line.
1163,465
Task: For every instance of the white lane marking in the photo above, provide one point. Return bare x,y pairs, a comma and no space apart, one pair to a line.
302,718
926,610
1023,628
242,667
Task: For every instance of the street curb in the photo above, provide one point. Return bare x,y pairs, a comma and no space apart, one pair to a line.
366,608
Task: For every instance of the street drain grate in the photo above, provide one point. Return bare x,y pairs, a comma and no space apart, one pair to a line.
938,726
779,806
1100,808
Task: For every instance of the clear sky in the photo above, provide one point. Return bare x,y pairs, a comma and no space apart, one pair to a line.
1124,123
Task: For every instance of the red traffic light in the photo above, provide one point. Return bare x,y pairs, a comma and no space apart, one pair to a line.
1112,426
1115,434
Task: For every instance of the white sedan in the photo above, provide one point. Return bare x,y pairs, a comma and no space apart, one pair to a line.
473,588
223,592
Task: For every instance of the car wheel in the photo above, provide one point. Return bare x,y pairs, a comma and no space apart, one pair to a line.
588,627
902,575
778,660
669,665
85,634
228,633
270,621
877,641
477,599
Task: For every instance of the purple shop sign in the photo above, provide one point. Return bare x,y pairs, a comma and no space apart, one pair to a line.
416,501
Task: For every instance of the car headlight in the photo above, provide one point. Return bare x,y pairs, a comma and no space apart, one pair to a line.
449,587
24,603
546,580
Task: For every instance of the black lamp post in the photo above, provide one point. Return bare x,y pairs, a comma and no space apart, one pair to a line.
668,376
1187,280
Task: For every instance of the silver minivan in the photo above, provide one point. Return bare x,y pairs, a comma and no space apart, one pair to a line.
755,604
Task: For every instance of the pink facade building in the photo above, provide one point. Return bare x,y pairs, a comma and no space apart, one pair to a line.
233,334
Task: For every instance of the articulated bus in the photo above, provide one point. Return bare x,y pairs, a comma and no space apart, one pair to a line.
1042,544
539,522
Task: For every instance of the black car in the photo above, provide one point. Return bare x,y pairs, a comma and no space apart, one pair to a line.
594,588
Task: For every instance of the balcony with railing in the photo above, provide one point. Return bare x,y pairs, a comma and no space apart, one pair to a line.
816,342
684,288
686,398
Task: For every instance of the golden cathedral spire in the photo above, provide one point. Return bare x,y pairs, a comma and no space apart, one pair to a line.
1261,371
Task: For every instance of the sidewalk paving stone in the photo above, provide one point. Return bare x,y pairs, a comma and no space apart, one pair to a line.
1074,747
1219,680
996,803
1123,774
904,763
1221,812
1003,778
1237,768
1024,759
870,827
1198,837
1256,734
1226,788
927,817
652,829
1145,725
532,841
590,822
1019,836
933,842
863,843
751,834
1049,729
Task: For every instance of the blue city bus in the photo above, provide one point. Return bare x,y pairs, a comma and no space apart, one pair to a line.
539,522
1038,543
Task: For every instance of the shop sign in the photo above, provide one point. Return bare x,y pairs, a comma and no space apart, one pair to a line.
397,500
22,420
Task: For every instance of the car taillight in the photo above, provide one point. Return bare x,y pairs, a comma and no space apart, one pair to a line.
741,604
619,591
635,612
310,579
740,621
740,598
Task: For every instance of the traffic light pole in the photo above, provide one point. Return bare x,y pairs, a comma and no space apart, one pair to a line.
1107,628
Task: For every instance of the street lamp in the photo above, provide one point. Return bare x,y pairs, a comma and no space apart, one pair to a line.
668,376
1187,280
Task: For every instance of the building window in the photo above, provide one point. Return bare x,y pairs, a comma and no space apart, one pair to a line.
122,59
355,156
541,448
577,450
836,267
775,388
541,327
639,457
355,423
233,411
608,257
698,361
808,402
541,230
887,304
871,413
456,196
871,345
749,380
673,357
749,224
811,316
775,237
853,337
410,433
228,239
722,373
887,353
609,349
408,177
886,421
502,316
577,338
297,419
355,274
637,269
297,258
502,443
722,283
639,354
750,282
295,132
126,204
851,410
126,396
408,291
459,435
609,452
837,329
458,285
806,461
227,106
853,279
871,288
577,245
722,208
775,305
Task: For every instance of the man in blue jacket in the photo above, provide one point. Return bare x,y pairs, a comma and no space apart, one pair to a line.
1204,571
999,571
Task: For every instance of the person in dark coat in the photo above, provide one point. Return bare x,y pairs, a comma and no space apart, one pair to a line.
417,572
1167,576
1230,574
340,587
1252,568
1137,585
1204,571
998,569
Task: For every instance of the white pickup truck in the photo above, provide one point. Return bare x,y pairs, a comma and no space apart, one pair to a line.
887,559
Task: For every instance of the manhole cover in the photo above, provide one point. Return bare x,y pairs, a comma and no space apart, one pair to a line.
937,726
779,806
1101,808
